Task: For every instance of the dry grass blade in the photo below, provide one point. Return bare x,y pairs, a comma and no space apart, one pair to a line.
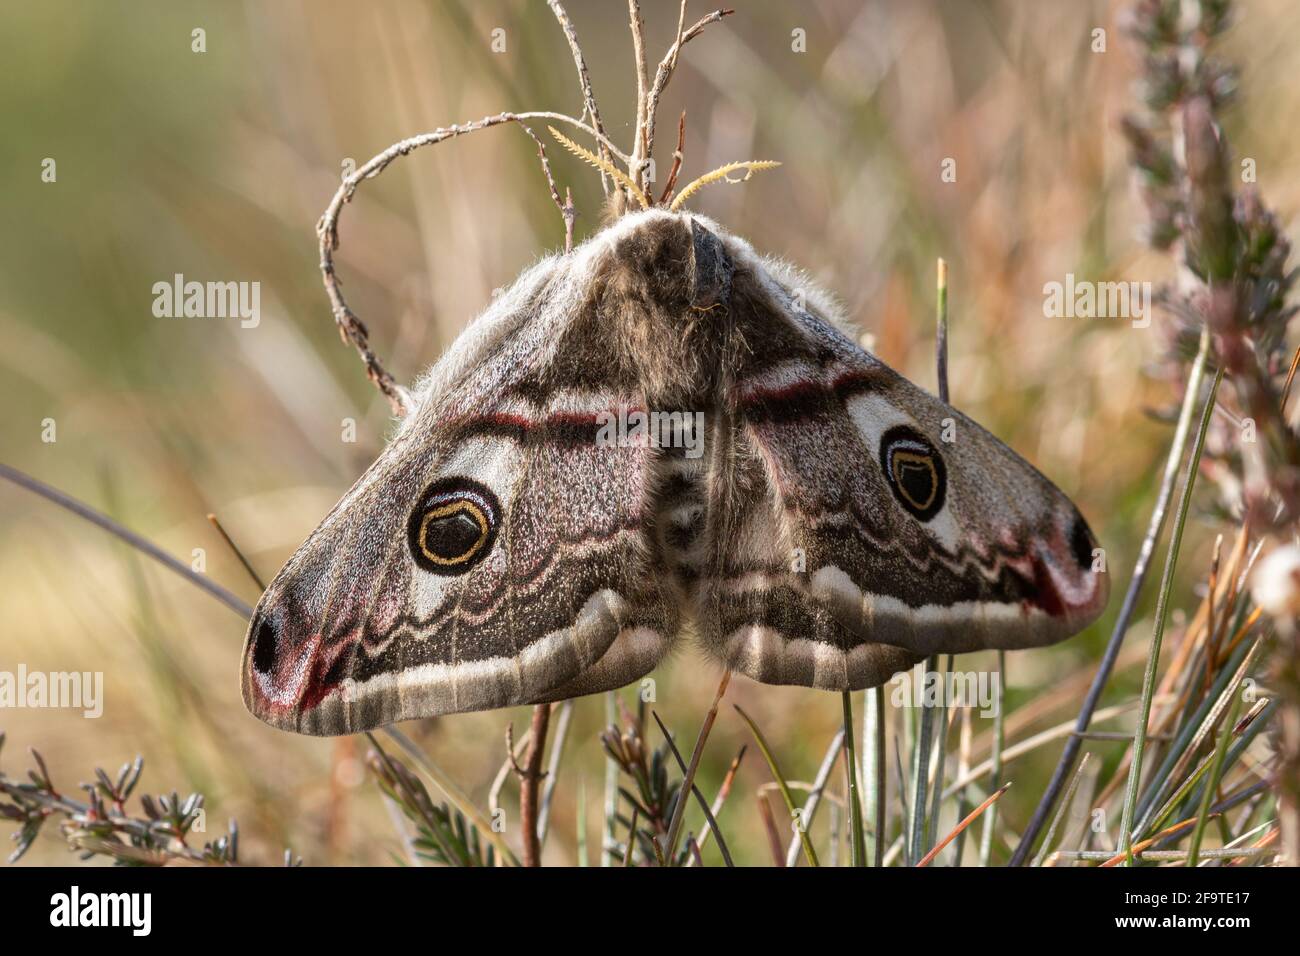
688,785
724,790
1198,730
1290,378
874,762
688,772
1029,744
970,818
1061,810
230,543
1211,785
1136,850
770,828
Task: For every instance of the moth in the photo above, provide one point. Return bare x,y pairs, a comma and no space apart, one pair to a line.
802,513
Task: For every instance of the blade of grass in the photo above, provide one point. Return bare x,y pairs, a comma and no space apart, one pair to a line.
1062,810
963,766
940,747
230,543
1136,849
970,818
1129,607
873,769
999,742
688,783
808,850
1162,611
921,823
141,544
858,840
904,816
688,772
1197,727
921,764
769,827
723,791
553,769
1230,730
810,805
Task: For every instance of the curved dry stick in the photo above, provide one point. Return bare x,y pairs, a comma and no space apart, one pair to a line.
584,81
668,65
351,328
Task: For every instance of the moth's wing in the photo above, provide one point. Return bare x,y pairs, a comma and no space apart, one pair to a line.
996,557
754,607
355,631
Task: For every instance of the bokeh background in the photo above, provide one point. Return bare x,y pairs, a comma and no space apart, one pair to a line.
218,164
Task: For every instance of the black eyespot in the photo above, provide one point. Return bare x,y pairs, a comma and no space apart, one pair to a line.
454,526
1082,543
264,646
914,471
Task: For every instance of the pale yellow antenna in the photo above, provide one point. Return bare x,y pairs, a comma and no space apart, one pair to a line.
723,173
603,165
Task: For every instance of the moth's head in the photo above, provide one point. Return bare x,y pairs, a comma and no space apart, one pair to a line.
670,260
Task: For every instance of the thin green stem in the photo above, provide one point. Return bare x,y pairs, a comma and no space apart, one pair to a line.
940,753
1061,811
1162,610
859,841
808,850
921,766
1216,773
1155,526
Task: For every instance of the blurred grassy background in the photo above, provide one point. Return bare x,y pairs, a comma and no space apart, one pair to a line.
218,164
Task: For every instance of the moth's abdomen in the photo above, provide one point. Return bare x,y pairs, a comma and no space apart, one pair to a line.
680,515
